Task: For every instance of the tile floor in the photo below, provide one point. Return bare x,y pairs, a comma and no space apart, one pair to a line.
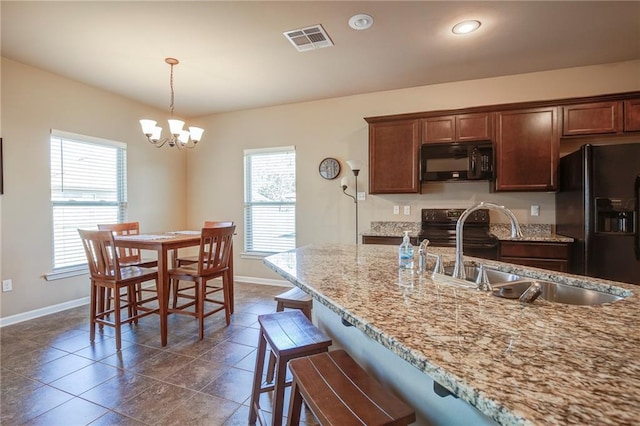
51,374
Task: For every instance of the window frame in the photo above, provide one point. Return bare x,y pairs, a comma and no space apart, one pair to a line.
61,269
249,245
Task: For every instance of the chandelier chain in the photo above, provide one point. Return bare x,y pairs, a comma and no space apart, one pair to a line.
172,95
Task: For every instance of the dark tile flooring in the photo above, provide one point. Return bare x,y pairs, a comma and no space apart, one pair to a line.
52,375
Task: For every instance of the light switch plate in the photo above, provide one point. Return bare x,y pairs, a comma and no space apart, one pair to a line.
396,209
535,210
7,285
362,196
407,210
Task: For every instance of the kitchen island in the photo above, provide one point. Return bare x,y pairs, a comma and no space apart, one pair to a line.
541,363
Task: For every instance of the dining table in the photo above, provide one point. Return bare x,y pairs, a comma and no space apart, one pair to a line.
163,243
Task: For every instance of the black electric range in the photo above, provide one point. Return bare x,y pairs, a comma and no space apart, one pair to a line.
439,227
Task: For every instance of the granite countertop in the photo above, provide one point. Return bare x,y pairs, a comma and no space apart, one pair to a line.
540,363
531,232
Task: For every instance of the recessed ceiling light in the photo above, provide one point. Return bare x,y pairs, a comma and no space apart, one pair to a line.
361,21
466,27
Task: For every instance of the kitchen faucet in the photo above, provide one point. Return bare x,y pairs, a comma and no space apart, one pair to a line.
422,256
458,270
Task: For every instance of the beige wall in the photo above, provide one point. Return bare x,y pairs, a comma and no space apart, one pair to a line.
33,102
168,190
335,128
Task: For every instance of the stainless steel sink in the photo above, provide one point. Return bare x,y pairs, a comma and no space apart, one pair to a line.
511,286
494,276
556,292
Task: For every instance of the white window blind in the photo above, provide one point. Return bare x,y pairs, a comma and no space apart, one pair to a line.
88,186
270,200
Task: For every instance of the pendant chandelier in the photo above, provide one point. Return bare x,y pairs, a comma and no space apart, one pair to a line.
179,138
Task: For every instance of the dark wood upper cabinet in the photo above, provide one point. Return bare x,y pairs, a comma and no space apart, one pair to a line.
474,127
526,138
592,118
439,129
457,128
394,156
632,115
527,143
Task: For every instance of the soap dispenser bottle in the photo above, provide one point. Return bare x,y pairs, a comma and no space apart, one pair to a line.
405,253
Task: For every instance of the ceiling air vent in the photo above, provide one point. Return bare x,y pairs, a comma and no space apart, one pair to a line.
309,38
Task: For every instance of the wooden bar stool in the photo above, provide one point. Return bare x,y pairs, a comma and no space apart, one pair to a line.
294,298
339,392
290,335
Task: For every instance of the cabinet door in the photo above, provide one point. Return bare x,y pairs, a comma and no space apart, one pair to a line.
439,129
632,115
457,128
527,144
591,119
474,127
394,154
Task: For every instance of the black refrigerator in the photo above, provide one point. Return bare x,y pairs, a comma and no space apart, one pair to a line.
598,206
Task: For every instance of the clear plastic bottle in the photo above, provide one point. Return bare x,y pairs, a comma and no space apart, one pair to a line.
405,253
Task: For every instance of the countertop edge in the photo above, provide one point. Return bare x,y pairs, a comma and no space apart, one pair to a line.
456,385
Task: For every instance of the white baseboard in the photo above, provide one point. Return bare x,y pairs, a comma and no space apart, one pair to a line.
36,313
262,281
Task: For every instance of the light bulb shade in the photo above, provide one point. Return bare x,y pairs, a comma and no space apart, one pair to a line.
196,133
344,181
354,164
175,126
147,126
184,137
155,133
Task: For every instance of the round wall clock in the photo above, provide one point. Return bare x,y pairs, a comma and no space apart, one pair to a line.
329,168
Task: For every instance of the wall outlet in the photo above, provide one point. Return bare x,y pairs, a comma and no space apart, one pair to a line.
407,210
396,209
535,210
7,285
362,196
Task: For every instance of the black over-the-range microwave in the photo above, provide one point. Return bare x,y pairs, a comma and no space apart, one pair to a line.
456,161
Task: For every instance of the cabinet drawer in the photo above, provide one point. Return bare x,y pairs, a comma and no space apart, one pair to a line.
550,264
374,239
534,250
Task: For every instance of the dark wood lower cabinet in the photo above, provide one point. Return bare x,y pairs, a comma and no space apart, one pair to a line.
390,241
546,255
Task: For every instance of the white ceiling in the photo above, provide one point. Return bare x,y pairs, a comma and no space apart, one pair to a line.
234,56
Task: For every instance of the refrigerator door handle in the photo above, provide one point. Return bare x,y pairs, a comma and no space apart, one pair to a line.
636,193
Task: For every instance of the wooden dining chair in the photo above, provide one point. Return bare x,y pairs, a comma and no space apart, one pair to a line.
106,273
179,261
213,262
130,256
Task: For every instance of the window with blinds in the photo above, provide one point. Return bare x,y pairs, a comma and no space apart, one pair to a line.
270,200
88,186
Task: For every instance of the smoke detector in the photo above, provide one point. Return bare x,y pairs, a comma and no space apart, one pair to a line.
309,38
361,22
